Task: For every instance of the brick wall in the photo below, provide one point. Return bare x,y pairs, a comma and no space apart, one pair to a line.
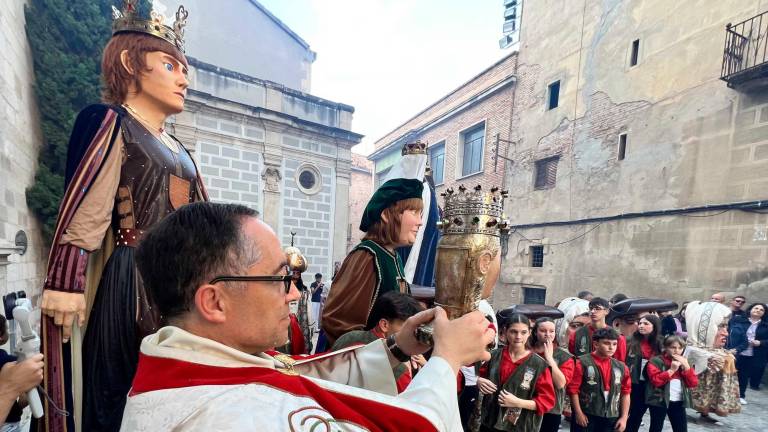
492,75
495,113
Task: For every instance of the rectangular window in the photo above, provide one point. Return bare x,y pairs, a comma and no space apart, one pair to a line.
437,162
622,146
553,95
537,256
534,295
473,143
635,52
545,174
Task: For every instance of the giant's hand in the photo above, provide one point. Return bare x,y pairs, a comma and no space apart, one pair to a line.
462,341
63,307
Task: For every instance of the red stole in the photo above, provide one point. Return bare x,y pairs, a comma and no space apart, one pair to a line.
156,373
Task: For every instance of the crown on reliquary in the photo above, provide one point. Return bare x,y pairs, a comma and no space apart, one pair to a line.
474,211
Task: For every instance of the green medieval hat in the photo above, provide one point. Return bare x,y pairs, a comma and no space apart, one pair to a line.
387,194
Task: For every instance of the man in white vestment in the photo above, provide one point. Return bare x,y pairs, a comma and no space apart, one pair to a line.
220,280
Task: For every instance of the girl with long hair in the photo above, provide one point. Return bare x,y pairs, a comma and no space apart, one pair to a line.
644,345
560,362
516,382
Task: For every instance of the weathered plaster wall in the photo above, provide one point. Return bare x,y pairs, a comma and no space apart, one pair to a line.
692,141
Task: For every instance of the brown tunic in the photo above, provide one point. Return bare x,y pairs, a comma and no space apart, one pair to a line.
351,294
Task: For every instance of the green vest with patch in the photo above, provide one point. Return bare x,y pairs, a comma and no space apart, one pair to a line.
659,396
591,396
390,275
561,356
522,383
634,362
582,343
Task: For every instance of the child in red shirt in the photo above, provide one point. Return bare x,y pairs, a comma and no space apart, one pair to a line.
600,388
561,364
516,382
670,380
580,342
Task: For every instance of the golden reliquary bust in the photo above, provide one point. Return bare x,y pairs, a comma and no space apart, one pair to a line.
469,252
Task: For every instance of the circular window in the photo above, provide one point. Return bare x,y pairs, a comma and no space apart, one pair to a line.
308,179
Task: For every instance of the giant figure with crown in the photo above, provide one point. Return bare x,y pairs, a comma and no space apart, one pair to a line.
124,173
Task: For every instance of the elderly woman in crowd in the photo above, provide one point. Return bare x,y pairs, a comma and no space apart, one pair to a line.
718,389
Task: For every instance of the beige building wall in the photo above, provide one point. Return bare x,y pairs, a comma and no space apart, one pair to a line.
691,141
255,140
20,140
360,192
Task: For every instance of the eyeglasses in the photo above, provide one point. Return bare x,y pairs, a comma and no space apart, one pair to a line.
286,279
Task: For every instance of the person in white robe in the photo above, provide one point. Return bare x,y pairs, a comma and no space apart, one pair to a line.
226,305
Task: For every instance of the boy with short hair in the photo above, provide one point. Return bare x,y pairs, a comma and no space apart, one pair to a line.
580,342
387,316
600,388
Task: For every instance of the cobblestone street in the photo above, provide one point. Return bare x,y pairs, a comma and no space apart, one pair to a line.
753,417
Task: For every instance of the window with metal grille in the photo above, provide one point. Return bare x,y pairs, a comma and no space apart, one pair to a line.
545,173
553,95
537,256
622,146
437,162
473,141
534,295
635,52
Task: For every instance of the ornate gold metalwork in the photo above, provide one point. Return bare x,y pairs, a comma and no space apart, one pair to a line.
469,252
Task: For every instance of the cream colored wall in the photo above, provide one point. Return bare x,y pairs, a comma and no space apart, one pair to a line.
692,141
20,140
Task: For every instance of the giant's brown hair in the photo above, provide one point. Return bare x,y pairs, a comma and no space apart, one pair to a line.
115,78
389,233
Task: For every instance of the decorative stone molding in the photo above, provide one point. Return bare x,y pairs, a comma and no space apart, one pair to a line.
271,176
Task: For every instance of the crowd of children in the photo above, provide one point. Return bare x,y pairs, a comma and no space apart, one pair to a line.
604,381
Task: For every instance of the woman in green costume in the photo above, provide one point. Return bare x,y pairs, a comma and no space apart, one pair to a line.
391,220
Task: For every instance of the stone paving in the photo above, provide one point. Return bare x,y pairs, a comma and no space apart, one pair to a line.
753,417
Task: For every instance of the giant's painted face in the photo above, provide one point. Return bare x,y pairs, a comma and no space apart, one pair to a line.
164,82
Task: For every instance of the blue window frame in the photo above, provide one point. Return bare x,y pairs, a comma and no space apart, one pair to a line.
437,162
474,144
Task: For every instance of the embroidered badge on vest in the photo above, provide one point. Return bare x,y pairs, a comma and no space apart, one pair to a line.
617,376
591,375
583,343
527,378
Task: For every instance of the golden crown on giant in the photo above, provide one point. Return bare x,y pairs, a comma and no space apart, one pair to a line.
128,20
417,147
474,211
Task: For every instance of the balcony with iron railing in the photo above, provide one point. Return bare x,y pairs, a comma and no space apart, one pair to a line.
745,57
